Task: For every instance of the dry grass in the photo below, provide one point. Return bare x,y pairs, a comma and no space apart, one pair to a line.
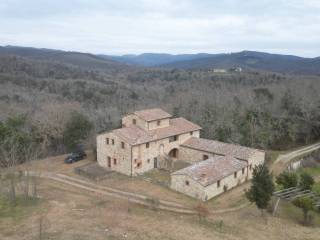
71,213
76,214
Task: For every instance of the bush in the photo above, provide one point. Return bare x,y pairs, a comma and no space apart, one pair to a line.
306,204
306,181
287,179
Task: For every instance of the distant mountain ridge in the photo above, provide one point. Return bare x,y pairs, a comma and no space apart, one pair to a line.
246,59
83,60
155,59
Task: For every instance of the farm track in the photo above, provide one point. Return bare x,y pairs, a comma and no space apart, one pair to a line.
129,196
284,159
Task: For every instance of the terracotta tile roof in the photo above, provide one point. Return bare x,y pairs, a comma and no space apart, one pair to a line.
213,169
135,135
152,114
219,148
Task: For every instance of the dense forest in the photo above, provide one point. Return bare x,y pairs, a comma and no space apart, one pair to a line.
45,102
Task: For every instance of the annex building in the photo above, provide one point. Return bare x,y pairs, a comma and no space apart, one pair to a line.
152,139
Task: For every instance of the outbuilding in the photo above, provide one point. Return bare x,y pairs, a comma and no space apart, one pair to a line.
209,178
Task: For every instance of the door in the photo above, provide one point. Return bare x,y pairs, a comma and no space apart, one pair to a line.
161,149
155,162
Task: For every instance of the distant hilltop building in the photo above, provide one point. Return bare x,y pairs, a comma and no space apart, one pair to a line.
152,139
236,69
219,70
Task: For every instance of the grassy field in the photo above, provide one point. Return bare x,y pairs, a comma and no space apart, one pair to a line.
71,213
291,212
76,214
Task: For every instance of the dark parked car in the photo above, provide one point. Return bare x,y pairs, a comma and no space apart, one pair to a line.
75,157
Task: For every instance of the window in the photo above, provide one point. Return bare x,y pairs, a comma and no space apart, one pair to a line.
205,157
109,162
112,141
243,171
187,183
148,160
107,140
122,145
158,123
235,174
218,183
191,133
173,138
139,164
134,121
115,161
147,145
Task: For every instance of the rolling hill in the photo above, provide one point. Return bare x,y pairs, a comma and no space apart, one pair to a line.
245,59
155,59
82,60
248,60
254,61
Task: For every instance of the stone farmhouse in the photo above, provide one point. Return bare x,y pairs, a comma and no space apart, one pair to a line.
152,139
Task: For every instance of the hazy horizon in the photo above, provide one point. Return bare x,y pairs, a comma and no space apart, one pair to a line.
176,27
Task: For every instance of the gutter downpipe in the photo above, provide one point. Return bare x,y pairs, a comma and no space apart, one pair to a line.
131,159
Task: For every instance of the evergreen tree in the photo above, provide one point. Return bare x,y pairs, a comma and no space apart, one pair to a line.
262,187
77,129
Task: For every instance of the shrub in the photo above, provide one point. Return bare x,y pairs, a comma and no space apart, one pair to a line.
306,204
287,179
306,181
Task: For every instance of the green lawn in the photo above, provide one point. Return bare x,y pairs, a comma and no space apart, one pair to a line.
313,171
316,188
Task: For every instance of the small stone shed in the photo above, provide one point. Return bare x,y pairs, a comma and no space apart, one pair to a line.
209,178
199,149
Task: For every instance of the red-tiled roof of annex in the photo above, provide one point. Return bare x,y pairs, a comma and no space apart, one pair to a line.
152,114
212,170
220,148
135,135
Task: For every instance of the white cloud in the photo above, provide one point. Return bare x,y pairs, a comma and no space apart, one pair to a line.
175,26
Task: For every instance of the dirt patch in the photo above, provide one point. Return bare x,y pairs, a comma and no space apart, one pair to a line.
92,171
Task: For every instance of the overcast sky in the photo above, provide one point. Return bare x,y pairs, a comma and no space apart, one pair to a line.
172,26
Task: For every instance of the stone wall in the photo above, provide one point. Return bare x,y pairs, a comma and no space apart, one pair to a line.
128,121
256,159
192,155
144,157
120,157
163,123
196,190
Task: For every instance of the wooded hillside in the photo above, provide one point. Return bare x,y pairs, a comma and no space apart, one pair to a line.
253,108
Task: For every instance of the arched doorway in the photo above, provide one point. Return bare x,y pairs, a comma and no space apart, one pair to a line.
174,153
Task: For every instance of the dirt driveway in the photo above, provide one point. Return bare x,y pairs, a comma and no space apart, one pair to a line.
283,159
